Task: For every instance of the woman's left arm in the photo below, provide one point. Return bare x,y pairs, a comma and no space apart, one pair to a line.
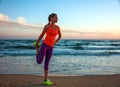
59,36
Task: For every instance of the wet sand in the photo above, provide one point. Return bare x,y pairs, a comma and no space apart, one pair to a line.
19,80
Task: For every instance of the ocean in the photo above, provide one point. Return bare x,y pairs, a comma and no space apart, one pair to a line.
70,57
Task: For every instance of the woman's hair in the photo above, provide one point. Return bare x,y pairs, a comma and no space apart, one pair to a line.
51,16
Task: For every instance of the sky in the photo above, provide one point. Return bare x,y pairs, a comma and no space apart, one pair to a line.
77,19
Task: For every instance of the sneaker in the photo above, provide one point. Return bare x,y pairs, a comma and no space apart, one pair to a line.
37,49
35,43
48,82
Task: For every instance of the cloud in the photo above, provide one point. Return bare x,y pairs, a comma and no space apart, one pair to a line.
4,17
68,30
14,30
80,34
21,29
17,30
21,20
15,25
19,23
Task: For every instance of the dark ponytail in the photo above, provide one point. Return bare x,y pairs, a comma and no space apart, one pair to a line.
50,16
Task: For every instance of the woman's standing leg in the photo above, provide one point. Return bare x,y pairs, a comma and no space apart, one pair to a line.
47,60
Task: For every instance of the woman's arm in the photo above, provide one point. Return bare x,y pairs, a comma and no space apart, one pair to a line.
59,36
41,35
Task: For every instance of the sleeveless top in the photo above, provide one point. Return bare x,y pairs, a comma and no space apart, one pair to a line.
50,35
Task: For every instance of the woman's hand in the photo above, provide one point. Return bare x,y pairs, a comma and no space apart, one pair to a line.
55,42
36,44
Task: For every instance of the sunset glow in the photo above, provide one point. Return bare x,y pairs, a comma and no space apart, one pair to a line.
77,19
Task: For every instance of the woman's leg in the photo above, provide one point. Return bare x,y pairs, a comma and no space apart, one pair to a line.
41,54
47,60
46,74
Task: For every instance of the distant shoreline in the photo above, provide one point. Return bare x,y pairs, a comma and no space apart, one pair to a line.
61,39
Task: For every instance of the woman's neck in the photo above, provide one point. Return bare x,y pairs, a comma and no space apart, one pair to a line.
53,26
52,23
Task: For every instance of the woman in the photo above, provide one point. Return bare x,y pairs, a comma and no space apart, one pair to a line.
51,30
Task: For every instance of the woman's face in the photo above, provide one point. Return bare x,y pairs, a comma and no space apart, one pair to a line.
55,18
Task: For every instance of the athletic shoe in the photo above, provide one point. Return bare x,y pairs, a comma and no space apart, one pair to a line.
48,82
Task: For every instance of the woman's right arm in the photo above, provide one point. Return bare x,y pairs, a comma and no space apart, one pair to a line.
41,35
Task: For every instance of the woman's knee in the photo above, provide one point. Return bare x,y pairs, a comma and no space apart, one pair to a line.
39,60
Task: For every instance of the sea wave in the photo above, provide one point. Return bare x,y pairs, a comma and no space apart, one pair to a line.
64,47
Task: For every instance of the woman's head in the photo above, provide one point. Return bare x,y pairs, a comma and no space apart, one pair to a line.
52,18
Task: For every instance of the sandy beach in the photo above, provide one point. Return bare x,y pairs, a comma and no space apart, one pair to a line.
19,80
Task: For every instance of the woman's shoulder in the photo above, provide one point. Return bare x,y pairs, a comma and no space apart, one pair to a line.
57,26
47,25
